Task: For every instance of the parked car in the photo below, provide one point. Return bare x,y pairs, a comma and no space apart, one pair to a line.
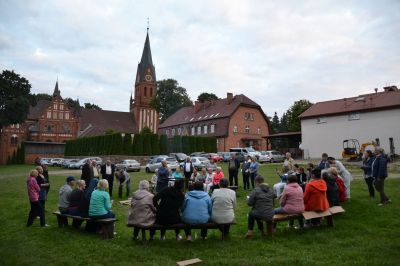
216,157
155,163
80,163
271,156
200,162
180,157
226,156
128,165
45,161
71,162
55,161
249,150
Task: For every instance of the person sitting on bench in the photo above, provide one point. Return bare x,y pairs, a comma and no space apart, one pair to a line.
77,198
224,204
196,209
261,200
315,195
100,203
278,187
142,212
217,177
63,195
291,200
169,203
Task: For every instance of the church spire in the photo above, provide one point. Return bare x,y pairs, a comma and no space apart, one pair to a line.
56,90
146,61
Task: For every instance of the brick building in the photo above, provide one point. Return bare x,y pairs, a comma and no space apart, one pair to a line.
236,121
49,124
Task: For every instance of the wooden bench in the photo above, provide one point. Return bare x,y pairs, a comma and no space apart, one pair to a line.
182,226
306,215
107,225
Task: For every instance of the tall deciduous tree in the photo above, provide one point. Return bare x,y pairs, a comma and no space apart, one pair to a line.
205,96
15,98
293,114
170,97
92,106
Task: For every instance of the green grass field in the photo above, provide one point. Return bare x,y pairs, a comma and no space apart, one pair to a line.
365,235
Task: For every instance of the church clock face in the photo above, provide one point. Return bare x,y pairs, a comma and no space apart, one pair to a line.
148,78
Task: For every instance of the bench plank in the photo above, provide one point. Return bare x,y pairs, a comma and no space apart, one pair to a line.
336,210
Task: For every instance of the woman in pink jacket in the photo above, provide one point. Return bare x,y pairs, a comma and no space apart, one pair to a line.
33,194
292,200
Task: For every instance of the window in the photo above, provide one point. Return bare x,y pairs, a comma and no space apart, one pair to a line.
54,115
14,139
66,116
199,130
167,132
321,119
205,129
193,131
248,116
55,106
212,128
60,115
17,126
354,116
179,131
151,92
61,107
145,91
247,129
173,131
48,114
259,131
49,128
66,129
235,129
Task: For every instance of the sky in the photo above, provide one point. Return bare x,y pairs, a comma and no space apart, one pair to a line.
274,52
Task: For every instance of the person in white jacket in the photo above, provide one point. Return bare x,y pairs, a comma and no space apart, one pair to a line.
343,173
224,204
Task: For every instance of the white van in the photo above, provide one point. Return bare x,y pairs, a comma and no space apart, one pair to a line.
248,151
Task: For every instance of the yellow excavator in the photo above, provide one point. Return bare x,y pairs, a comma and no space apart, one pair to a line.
353,151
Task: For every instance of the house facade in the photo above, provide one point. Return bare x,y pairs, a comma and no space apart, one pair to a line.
366,118
236,121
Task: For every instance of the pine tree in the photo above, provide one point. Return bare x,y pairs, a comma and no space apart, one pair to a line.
155,144
127,146
275,125
138,144
163,144
147,144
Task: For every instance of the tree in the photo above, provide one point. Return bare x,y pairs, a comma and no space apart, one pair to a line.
283,124
274,125
41,96
15,98
71,102
293,114
163,144
138,144
205,96
92,106
127,146
170,97
155,144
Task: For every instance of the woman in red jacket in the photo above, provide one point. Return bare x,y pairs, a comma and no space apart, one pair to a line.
315,195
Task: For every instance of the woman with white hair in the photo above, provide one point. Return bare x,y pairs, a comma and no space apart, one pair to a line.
163,176
100,203
142,212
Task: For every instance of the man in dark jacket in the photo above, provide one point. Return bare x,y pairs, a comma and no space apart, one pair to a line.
107,172
168,203
233,166
187,171
379,172
246,172
87,173
261,200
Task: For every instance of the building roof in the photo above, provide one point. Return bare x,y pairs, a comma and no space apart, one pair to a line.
146,60
96,122
387,99
37,110
209,111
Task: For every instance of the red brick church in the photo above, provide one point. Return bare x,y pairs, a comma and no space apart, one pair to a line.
50,124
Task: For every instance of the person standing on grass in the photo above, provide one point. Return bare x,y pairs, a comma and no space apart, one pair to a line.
368,160
196,209
223,206
87,173
43,184
379,172
33,194
64,194
123,178
233,166
315,195
246,172
107,171
261,200
288,162
324,164
142,212
253,170
95,169
46,178
343,173
169,203
163,176
187,171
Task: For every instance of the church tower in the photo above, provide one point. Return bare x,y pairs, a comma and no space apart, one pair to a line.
145,90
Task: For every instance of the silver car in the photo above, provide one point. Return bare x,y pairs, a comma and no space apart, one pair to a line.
79,164
155,163
271,157
128,165
200,162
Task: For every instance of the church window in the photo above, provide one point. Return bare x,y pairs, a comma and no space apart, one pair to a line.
199,130
61,106
60,116
151,92
145,91
54,115
205,129
66,116
48,114
259,131
55,106
14,139
235,129
247,129
193,129
212,128
179,131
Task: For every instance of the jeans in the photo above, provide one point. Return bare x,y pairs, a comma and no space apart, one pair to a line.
278,188
370,183
121,186
233,175
250,223
252,177
380,187
36,210
110,179
246,180
203,232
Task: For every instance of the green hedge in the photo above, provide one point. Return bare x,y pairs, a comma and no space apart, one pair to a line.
142,144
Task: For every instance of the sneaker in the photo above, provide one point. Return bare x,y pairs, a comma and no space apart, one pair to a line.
189,239
178,237
380,204
45,226
249,234
389,201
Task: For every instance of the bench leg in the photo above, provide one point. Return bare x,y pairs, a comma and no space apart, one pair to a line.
62,221
107,230
270,228
329,220
143,234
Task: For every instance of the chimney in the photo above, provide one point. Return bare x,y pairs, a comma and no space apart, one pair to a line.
197,106
229,98
390,88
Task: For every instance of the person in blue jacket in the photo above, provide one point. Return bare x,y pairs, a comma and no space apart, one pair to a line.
367,168
196,209
379,172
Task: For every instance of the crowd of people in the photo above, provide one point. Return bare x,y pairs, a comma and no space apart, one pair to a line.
208,197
